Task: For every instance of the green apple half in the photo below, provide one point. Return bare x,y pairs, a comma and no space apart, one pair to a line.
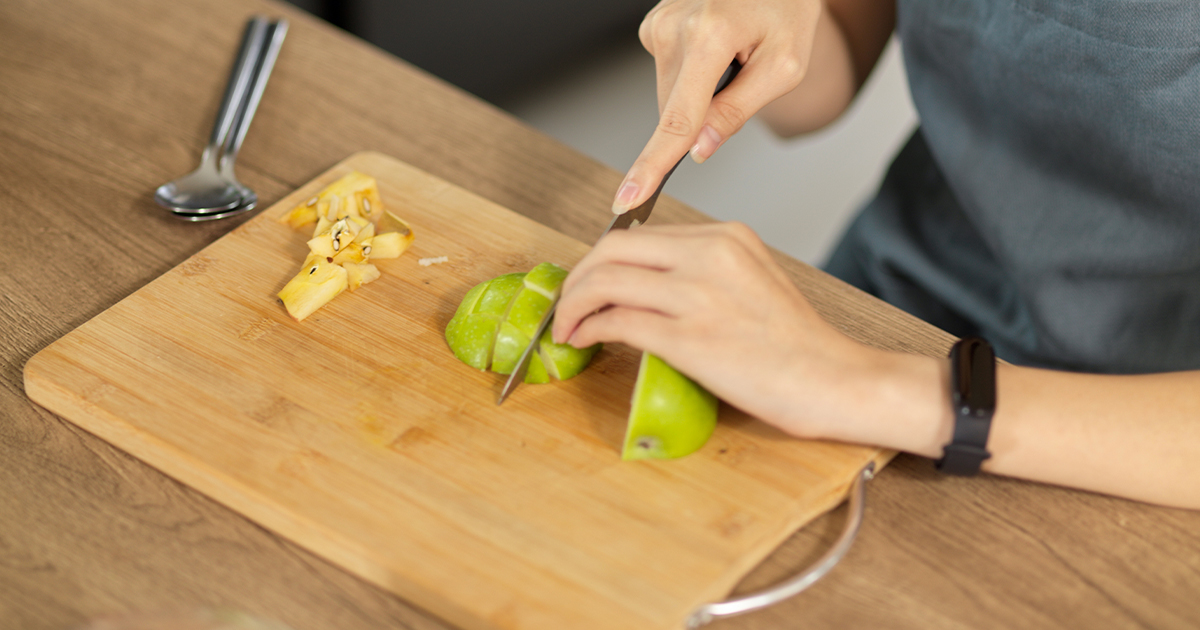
495,320
670,415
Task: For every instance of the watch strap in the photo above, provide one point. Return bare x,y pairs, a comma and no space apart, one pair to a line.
973,399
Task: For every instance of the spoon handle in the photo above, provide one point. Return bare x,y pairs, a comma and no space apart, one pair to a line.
239,80
271,44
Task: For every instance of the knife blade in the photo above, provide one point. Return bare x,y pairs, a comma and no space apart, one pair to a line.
627,220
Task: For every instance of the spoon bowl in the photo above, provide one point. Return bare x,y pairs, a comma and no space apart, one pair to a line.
202,190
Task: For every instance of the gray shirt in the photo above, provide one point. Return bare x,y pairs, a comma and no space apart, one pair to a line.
1050,200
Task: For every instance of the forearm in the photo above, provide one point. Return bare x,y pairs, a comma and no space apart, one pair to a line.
826,90
1131,436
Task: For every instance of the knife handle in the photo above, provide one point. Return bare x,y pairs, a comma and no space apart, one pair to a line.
734,68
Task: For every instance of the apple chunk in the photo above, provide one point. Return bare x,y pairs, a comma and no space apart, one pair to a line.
358,274
317,283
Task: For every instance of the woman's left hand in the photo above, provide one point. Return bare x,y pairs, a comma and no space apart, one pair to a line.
711,301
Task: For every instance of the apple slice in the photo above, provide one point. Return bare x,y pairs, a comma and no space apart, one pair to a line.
562,360
471,333
527,309
546,279
670,415
393,236
510,343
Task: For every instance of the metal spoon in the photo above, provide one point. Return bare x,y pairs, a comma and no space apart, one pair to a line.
206,189
272,42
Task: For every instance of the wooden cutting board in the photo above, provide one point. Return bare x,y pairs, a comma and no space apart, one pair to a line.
358,435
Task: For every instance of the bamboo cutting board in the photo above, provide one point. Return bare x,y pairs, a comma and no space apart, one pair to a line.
358,435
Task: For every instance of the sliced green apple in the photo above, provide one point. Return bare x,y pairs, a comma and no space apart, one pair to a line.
493,325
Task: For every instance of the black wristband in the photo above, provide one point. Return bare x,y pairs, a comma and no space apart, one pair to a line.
973,398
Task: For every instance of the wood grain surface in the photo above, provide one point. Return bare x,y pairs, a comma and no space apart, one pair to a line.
357,433
102,101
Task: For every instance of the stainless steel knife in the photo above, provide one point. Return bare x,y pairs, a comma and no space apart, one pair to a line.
630,219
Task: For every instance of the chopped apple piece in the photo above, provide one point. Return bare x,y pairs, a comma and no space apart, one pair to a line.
322,245
365,234
333,205
301,215
352,253
352,227
370,206
354,195
317,283
342,233
322,226
390,244
358,274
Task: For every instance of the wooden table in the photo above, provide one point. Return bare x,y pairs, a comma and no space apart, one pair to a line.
102,101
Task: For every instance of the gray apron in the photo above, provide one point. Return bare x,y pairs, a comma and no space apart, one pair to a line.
1050,200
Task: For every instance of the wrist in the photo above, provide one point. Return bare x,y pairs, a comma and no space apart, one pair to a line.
902,402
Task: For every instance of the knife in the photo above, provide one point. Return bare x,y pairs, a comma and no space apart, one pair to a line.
627,220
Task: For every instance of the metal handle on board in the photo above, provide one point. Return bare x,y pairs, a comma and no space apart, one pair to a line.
798,583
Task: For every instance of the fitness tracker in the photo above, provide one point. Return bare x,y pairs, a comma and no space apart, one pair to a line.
973,398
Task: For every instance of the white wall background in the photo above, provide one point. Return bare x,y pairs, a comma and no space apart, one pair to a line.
797,194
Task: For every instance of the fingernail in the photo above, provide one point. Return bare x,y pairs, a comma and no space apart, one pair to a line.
625,197
705,145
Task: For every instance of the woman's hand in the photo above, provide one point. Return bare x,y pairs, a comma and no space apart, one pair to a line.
693,42
711,301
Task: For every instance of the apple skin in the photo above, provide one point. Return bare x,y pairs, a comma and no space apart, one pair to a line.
496,318
670,415
467,334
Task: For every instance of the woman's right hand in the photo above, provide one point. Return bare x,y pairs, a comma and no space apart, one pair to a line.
693,42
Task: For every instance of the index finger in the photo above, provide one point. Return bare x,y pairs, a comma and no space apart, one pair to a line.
677,130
